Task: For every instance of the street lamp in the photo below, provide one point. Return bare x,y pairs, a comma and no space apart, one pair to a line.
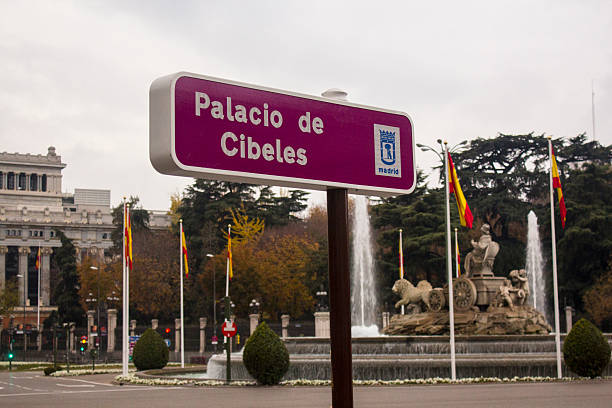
453,149
254,305
112,299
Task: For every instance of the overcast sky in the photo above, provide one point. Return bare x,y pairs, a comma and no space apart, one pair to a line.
76,75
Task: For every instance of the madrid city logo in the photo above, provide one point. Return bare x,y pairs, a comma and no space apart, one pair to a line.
387,161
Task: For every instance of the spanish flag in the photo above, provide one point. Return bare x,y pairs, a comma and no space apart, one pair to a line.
230,273
38,259
184,246
465,215
557,185
128,238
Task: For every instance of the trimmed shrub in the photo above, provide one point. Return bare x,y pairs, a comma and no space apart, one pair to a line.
585,350
265,356
150,351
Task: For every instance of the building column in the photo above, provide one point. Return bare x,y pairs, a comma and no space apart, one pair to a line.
23,271
45,276
203,322
154,324
3,252
285,325
112,325
132,328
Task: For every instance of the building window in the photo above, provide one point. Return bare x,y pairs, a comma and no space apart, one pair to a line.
105,236
10,180
43,183
1,179
51,234
22,181
34,182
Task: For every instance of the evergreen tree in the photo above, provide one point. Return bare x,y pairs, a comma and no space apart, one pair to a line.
139,218
65,294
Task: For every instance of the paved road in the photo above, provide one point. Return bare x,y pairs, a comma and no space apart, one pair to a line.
35,390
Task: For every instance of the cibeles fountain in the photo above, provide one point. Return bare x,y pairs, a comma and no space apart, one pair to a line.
484,304
498,331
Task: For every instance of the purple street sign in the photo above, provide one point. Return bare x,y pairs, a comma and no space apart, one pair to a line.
225,130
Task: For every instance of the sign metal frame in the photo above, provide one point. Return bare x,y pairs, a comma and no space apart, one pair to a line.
162,146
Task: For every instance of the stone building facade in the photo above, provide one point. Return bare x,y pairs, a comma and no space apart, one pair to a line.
32,208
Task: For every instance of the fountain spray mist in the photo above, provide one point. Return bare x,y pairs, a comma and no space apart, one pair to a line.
363,285
534,266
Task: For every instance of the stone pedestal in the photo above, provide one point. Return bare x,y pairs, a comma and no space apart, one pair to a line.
321,324
203,322
569,315
132,327
72,339
285,325
91,314
177,335
253,321
154,324
112,325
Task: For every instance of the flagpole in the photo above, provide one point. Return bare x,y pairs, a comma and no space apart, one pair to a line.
229,234
451,312
456,255
228,312
401,251
181,273
38,294
554,263
124,351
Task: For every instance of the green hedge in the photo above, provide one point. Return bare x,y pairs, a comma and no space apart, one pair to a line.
150,351
585,350
265,356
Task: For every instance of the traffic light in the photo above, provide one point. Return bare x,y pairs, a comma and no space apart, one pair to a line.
83,344
10,355
168,330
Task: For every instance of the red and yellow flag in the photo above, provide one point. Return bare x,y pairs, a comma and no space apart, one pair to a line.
557,185
184,246
230,273
465,215
128,238
38,259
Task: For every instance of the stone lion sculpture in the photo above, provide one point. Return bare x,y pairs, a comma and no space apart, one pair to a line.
412,296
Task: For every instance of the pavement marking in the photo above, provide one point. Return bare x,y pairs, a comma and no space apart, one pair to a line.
118,389
75,385
90,382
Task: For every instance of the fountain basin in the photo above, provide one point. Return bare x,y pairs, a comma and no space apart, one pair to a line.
410,357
